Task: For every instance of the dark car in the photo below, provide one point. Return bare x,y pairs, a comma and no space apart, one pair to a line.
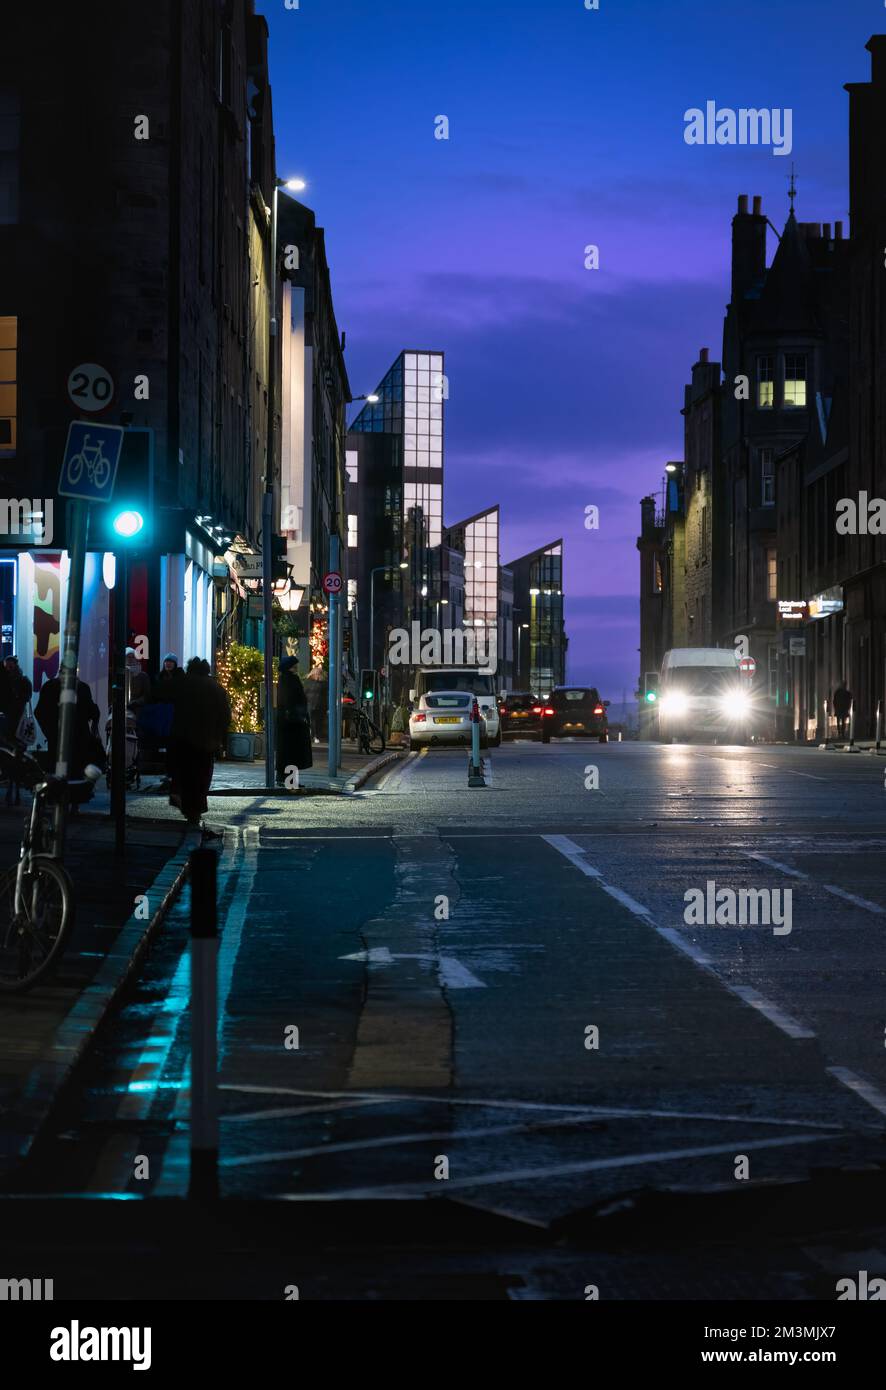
520,713
574,711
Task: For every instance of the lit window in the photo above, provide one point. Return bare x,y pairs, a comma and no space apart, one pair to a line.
765,383
352,529
795,380
8,385
352,462
771,574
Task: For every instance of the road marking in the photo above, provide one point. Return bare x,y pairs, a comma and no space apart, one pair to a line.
860,1087
450,971
787,1025
791,773
616,1112
516,1175
827,887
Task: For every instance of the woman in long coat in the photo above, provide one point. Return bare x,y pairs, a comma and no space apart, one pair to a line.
293,724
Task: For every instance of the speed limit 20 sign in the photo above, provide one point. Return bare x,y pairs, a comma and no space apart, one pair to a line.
332,582
90,387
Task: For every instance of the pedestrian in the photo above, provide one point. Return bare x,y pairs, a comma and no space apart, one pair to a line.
138,682
156,718
15,704
85,744
293,724
842,706
201,718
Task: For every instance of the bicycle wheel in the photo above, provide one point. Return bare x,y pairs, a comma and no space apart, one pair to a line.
32,940
375,739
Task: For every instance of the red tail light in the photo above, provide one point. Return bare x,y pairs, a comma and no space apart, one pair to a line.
536,709
598,709
548,711
420,718
502,709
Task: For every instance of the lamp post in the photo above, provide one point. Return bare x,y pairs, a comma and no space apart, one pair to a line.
404,564
267,511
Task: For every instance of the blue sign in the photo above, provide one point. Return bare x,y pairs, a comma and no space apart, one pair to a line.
92,454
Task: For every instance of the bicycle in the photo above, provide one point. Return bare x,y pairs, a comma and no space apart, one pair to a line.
37,894
370,738
98,468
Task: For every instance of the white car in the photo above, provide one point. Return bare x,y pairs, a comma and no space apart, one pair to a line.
442,703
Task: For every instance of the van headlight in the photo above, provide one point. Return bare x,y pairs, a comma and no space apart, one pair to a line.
735,704
675,703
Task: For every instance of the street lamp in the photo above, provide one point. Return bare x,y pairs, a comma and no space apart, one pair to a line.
404,565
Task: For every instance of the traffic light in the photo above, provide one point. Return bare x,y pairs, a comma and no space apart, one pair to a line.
128,518
280,565
650,687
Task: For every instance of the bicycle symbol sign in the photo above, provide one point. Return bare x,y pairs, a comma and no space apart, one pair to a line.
92,453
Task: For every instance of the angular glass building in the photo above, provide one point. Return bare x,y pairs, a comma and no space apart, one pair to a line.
540,648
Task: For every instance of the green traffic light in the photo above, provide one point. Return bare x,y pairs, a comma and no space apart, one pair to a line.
367,694
128,523
651,696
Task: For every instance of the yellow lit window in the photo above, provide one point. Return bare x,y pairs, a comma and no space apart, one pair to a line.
795,380
765,383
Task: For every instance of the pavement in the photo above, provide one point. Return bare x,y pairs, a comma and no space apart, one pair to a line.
491,1000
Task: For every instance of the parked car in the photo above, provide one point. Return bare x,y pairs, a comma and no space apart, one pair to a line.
520,713
444,717
701,694
574,711
435,720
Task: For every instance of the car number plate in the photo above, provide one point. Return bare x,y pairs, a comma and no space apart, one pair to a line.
447,719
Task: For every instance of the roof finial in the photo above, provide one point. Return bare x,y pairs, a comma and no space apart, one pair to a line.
792,191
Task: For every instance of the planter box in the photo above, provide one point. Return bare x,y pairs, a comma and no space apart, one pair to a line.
241,747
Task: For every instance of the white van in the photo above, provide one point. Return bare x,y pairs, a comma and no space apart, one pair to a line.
442,700
701,691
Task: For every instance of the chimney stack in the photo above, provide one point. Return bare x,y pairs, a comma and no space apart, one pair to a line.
743,203
703,355
758,203
838,231
826,230
748,247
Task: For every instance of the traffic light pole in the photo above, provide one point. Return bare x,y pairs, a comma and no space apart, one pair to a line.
78,533
267,512
118,700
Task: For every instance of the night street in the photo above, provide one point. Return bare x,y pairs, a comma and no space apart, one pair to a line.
466,1037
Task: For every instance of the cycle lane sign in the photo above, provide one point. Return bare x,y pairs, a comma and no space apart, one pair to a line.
89,467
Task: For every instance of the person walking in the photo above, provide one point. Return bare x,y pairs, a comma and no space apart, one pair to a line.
293,724
842,706
85,742
200,722
156,718
15,704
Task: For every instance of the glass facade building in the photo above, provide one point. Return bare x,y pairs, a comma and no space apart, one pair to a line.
477,539
540,648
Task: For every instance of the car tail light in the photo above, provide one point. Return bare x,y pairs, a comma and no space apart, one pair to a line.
502,709
536,709
420,718
598,709
548,711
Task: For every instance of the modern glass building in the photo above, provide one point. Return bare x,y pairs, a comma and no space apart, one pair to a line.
395,500
540,648
477,539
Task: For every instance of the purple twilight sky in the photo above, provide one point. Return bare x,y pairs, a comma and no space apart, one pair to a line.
566,129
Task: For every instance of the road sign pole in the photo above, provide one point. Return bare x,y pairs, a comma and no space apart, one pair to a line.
118,700
268,624
78,531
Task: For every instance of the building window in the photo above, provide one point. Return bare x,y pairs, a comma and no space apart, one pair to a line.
352,464
767,477
352,530
771,573
765,383
8,385
795,380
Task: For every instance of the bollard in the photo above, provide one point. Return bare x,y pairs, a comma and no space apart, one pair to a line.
879,725
203,1184
475,767
851,748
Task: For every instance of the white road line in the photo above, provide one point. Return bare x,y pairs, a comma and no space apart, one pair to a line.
854,899
294,1112
516,1175
616,1112
422,1137
791,1027
827,887
859,1087
775,864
